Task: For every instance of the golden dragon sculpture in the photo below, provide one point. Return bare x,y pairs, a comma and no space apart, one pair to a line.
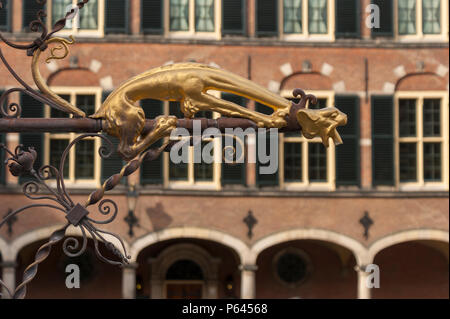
187,83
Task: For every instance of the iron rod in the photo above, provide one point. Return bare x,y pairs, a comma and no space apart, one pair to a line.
87,125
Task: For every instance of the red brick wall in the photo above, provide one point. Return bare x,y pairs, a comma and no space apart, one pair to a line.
412,270
328,278
106,282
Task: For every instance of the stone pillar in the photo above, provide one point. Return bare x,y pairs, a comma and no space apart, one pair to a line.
363,288
156,284
8,277
129,281
248,282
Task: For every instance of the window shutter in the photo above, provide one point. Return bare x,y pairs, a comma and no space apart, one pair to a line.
32,108
152,16
383,140
348,154
266,17
347,18
233,174
233,17
30,10
265,179
152,171
113,164
5,14
386,18
116,16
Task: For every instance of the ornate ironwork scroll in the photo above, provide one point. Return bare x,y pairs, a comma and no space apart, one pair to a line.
14,110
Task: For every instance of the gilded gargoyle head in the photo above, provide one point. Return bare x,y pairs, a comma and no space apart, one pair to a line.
322,122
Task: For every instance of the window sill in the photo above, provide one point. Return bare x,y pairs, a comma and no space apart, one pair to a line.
308,188
244,41
423,188
200,186
246,192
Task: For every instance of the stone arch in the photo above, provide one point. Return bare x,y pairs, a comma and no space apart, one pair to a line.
307,81
71,77
229,241
44,233
161,264
405,236
358,250
421,81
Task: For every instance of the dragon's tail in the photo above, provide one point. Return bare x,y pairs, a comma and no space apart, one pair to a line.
229,82
40,82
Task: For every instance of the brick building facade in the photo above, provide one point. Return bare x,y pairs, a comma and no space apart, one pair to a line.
308,240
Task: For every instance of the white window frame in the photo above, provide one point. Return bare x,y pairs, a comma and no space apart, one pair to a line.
71,180
419,140
443,36
100,32
305,184
214,184
305,35
191,33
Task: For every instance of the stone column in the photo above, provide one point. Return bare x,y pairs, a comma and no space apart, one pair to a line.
129,281
156,284
363,289
248,283
8,277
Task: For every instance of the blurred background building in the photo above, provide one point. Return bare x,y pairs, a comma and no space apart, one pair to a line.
223,231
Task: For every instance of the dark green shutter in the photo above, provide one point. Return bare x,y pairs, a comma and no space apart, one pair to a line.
266,17
233,174
152,171
386,18
152,16
32,108
383,140
348,154
347,18
233,17
265,179
30,10
5,14
113,164
116,16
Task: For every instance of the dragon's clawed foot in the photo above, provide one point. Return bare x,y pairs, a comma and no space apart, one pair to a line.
276,120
